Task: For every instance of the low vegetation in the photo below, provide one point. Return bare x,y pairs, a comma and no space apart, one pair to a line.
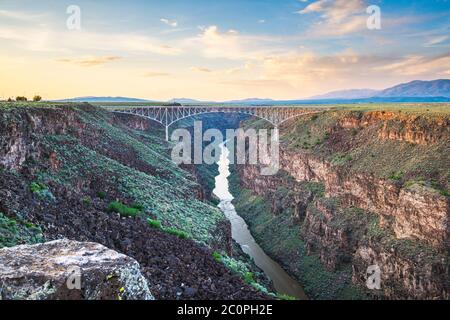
122,209
170,230
41,190
14,232
362,150
279,238
154,182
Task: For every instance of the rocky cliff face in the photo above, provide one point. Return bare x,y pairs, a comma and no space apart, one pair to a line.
415,211
69,270
364,218
409,128
17,135
64,167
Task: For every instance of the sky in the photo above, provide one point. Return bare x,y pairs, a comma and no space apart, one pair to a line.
218,50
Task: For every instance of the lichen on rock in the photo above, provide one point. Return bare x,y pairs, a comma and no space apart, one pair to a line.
65,269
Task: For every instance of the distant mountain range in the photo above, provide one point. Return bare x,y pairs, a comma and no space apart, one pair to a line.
414,91
103,99
251,101
185,101
436,88
348,94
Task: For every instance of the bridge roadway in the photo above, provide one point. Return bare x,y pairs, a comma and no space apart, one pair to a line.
168,115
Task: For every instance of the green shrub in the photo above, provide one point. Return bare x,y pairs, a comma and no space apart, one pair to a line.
397,176
37,98
101,194
339,159
87,201
36,187
138,206
180,234
315,187
122,209
217,256
282,296
41,190
248,277
154,223
14,232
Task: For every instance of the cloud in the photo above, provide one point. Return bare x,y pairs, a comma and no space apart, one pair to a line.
17,15
338,17
311,73
263,83
152,74
418,66
50,40
436,40
232,45
217,44
90,61
200,69
172,23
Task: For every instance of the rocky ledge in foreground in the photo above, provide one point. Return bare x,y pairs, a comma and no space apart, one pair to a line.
65,269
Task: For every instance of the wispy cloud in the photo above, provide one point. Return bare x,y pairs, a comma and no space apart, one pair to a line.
436,40
232,45
47,40
172,23
200,69
306,55
90,61
18,15
153,74
418,66
338,17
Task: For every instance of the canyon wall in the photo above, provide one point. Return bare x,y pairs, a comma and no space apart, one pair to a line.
63,169
362,218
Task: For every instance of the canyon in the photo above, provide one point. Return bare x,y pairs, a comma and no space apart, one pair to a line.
77,172
349,207
356,188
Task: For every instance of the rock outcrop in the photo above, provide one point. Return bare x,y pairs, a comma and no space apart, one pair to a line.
395,126
64,269
362,217
416,211
61,167
17,135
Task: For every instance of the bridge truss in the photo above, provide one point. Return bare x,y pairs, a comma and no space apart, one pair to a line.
168,115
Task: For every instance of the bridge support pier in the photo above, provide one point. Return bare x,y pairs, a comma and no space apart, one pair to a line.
167,133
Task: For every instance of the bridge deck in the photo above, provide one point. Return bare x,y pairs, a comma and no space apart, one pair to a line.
167,115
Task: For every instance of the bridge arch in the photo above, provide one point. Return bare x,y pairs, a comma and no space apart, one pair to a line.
167,116
211,112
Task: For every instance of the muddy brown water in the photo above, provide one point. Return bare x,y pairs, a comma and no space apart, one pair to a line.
283,283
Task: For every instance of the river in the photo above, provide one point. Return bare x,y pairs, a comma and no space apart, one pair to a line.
282,282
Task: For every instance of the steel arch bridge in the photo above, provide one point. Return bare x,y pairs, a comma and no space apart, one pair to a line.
168,115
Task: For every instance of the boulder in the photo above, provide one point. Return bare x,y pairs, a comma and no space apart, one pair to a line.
70,270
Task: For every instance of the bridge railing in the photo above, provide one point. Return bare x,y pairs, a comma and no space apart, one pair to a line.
167,115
